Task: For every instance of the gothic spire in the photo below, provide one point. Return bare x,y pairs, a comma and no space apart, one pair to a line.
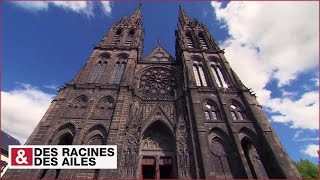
183,17
136,15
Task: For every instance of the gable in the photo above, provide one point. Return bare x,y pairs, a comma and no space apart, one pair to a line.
158,55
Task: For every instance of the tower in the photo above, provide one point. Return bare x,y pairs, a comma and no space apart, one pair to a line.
232,137
189,117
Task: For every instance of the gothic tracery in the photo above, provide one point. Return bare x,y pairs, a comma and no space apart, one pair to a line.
158,81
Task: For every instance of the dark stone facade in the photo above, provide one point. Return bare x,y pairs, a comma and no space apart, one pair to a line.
189,117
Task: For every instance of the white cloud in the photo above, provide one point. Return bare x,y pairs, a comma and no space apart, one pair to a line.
288,40
296,137
33,6
22,109
316,81
297,134
311,150
81,7
76,6
278,40
106,7
51,86
308,139
288,94
302,113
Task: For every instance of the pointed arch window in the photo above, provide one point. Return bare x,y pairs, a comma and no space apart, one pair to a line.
118,70
189,40
116,37
207,115
202,77
218,75
199,75
202,41
114,73
129,38
254,160
211,110
120,73
98,70
237,112
220,157
196,75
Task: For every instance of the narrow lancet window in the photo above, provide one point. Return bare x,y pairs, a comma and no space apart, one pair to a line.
189,40
218,75
203,78
116,38
237,112
196,75
202,41
129,38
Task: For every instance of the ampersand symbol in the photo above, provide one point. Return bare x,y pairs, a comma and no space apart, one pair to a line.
20,159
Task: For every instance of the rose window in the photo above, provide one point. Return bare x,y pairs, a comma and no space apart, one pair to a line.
158,81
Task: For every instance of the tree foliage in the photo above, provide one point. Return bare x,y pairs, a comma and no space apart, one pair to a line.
307,169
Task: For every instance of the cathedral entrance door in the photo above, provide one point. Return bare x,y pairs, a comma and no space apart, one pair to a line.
148,166
165,168
157,168
157,153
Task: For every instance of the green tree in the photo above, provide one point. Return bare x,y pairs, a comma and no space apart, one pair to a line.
307,169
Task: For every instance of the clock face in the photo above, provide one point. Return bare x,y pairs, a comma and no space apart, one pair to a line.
159,54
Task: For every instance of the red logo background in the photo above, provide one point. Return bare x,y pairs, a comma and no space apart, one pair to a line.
28,154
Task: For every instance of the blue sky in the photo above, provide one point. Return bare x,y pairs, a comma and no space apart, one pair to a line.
45,44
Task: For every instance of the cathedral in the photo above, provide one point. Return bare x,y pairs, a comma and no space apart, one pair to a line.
186,117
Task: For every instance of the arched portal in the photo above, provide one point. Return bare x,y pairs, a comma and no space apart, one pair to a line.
157,153
64,137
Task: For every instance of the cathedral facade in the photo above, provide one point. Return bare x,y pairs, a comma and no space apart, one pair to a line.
187,116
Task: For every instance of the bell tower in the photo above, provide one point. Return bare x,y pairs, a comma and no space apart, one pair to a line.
128,33
231,135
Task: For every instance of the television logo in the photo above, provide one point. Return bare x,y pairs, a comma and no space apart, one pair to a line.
21,156
63,157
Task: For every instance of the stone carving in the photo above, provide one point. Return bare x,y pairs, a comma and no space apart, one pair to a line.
105,108
158,81
96,140
183,155
132,141
148,109
217,148
156,141
77,108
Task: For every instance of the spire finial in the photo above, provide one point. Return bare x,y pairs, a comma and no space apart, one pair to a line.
136,15
159,42
138,9
182,15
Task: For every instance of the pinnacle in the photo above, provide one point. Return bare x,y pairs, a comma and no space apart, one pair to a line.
136,15
138,10
182,15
